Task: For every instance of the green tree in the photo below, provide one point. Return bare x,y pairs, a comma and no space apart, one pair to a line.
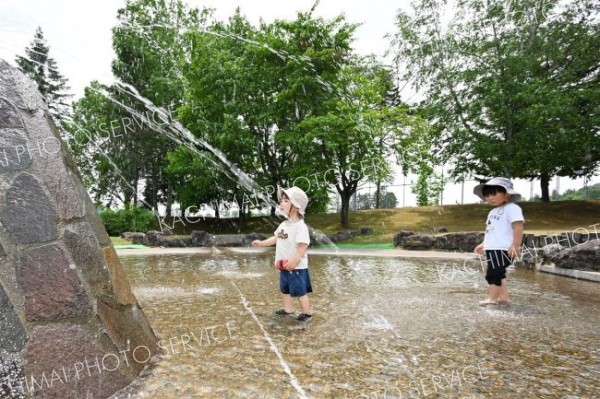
53,86
364,201
389,200
511,88
361,133
428,187
107,151
250,87
151,48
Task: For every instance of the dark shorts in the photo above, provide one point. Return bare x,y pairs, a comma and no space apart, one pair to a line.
497,262
295,283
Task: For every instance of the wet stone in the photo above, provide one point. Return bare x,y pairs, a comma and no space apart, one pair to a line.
9,115
49,166
118,278
11,380
64,362
85,252
19,89
15,152
12,334
128,328
27,212
50,284
91,214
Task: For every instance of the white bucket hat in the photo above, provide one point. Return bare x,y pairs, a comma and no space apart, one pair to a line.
297,197
498,181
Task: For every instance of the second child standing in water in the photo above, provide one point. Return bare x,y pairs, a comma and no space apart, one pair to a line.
292,240
503,235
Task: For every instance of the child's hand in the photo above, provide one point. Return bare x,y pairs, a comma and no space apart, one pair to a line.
257,243
281,264
290,265
514,252
479,249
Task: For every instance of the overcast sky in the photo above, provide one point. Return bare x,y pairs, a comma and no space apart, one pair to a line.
79,32
79,35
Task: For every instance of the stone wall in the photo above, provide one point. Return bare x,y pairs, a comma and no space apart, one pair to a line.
69,321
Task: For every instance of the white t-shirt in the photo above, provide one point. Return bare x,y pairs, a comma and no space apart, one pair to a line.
289,235
498,228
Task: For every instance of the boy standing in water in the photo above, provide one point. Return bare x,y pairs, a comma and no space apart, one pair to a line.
292,240
503,235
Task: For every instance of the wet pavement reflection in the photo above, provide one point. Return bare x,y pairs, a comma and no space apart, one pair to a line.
382,328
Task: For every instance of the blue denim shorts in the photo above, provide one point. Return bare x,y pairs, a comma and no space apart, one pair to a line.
295,283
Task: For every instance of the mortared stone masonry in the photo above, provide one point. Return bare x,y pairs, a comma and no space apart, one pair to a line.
70,326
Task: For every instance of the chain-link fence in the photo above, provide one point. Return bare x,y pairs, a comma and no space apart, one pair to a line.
462,192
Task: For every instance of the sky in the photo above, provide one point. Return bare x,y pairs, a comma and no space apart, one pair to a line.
79,35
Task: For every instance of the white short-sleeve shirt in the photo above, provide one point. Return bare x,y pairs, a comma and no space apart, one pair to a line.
498,227
289,235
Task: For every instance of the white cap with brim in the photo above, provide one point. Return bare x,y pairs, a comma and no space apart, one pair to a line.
296,196
498,181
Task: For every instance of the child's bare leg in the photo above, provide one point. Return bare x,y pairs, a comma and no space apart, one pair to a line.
304,305
503,296
288,306
493,294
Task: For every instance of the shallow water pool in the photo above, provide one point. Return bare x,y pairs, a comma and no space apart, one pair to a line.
382,328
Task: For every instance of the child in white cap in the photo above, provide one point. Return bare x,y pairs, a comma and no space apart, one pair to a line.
503,235
292,241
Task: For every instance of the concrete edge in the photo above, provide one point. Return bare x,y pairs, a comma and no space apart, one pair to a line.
573,273
389,253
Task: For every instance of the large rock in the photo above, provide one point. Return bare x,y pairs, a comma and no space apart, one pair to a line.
229,240
127,235
56,264
155,238
71,364
176,242
366,231
399,238
419,241
460,242
318,237
202,239
247,242
138,238
12,333
50,284
344,235
583,257
27,212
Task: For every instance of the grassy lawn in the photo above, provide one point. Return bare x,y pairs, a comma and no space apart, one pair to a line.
540,218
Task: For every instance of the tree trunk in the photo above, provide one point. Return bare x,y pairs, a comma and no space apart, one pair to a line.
170,200
378,195
154,195
135,192
345,218
545,183
217,213
242,216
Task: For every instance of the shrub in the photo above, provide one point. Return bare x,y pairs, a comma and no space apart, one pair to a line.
132,218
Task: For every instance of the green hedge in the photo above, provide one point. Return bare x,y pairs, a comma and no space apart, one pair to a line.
133,218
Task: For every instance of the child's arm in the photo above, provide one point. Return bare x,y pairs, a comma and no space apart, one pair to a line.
515,249
479,249
295,261
265,243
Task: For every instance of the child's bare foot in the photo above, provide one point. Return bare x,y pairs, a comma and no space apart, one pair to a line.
503,302
488,302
